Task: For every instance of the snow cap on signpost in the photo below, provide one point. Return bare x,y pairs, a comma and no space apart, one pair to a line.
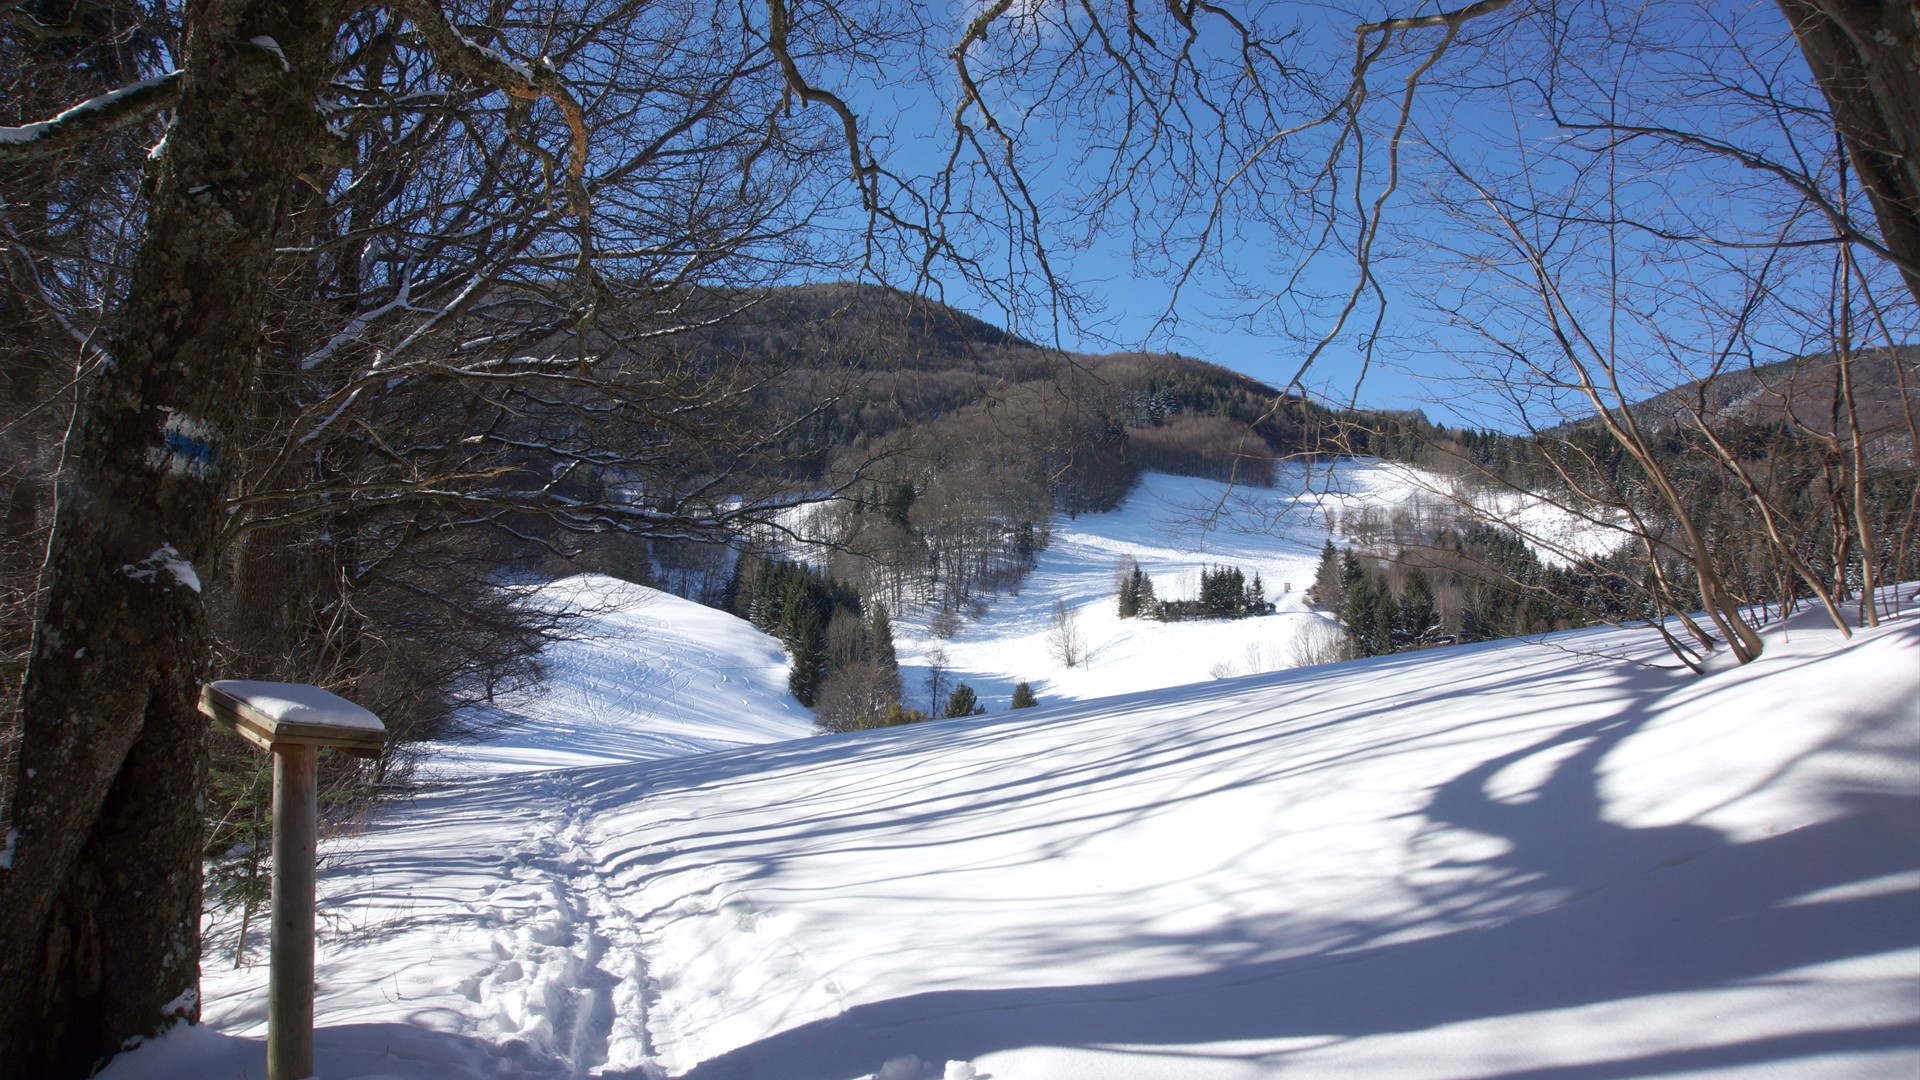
270,713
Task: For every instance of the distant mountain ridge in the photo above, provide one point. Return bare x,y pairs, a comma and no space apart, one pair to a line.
1803,394
915,360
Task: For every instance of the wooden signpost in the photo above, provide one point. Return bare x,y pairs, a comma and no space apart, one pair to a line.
292,721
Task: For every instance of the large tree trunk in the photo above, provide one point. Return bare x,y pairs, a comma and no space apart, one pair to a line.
1866,57
100,897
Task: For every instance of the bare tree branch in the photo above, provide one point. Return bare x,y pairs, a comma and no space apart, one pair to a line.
1449,19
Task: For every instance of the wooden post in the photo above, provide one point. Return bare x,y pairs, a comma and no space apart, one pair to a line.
292,721
290,970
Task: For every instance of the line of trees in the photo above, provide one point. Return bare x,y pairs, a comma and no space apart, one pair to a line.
1225,593
1742,519
833,637
1475,583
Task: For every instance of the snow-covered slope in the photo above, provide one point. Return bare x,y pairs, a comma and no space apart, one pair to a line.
642,674
1173,527
1538,858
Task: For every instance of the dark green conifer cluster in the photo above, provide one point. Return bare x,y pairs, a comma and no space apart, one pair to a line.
1225,593
1494,584
821,621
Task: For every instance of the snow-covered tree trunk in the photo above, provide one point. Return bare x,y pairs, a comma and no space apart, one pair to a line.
100,891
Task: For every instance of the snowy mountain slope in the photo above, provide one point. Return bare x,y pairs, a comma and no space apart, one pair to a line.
643,675
1174,527
1524,859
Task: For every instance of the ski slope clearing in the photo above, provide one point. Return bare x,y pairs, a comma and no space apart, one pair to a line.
643,674
1538,859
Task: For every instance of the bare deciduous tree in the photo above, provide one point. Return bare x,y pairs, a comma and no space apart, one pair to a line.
1068,644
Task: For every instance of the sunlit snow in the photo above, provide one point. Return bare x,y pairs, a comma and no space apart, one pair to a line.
1541,858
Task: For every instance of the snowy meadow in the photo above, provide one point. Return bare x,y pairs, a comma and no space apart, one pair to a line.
1544,858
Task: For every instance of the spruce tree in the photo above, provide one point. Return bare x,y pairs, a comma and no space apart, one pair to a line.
962,702
899,500
1414,616
1143,600
1359,612
1136,594
808,644
1326,579
885,659
1383,612
1023,697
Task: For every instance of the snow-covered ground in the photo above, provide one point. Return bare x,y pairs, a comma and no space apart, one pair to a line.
643,674
1174,527
1545,858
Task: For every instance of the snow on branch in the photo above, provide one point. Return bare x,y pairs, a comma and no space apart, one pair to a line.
94,116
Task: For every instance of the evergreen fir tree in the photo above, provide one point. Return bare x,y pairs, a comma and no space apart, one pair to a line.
1023,697
899,500
1326,579
739,595
809,648
1358,613
1414,616
1136,595
1383,611
1351,572
962,702
880,637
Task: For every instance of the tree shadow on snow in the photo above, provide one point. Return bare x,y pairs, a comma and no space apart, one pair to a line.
1642,912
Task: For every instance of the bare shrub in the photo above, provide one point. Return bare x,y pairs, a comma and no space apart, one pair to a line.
856,698
1068,646
1319,642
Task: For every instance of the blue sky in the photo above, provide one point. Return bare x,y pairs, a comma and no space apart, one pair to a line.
1665,290
1130,304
